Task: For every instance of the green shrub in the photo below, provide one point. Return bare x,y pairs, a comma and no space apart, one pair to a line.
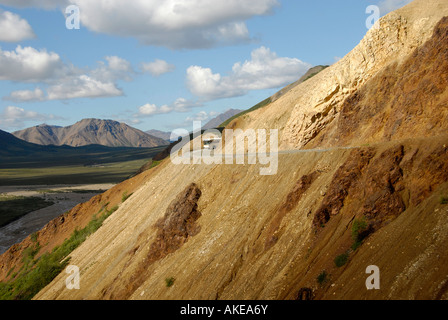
169,282
360,231
34,237
444,200
29,254
125,196
155,163
109,212
10,272
322,277
356,245
31,281
341,260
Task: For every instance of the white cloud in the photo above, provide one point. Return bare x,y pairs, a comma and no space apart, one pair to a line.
200,116
132,122
12,112
116,68
63,81
180,105
44,4
71,87
28,64
94,83
387,6
204,83
13,28
174,23
265,70
82,86
184,105
118,64
157,67
26,95
149,110
15,117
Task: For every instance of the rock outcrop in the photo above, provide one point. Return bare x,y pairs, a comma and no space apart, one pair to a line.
307,110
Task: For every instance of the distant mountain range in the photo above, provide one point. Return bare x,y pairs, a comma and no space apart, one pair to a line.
165,135
213,123
90,131
17,153
216,122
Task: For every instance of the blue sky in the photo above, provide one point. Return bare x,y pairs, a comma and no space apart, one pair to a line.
160,64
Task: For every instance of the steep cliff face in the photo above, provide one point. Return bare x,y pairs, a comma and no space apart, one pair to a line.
308,109
407,98
374,194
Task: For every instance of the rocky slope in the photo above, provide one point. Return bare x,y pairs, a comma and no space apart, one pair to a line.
90,131
244,239
362,180
306,110
308,75
42,134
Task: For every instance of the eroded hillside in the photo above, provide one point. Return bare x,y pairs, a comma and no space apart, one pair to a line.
368,187
254,237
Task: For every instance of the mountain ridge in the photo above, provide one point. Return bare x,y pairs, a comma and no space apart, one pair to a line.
90,131
211,124
308,75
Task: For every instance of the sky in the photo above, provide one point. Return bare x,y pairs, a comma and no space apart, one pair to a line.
162,64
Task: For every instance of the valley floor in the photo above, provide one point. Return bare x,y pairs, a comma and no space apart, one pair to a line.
64,197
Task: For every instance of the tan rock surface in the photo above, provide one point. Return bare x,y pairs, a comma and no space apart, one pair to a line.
307,109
